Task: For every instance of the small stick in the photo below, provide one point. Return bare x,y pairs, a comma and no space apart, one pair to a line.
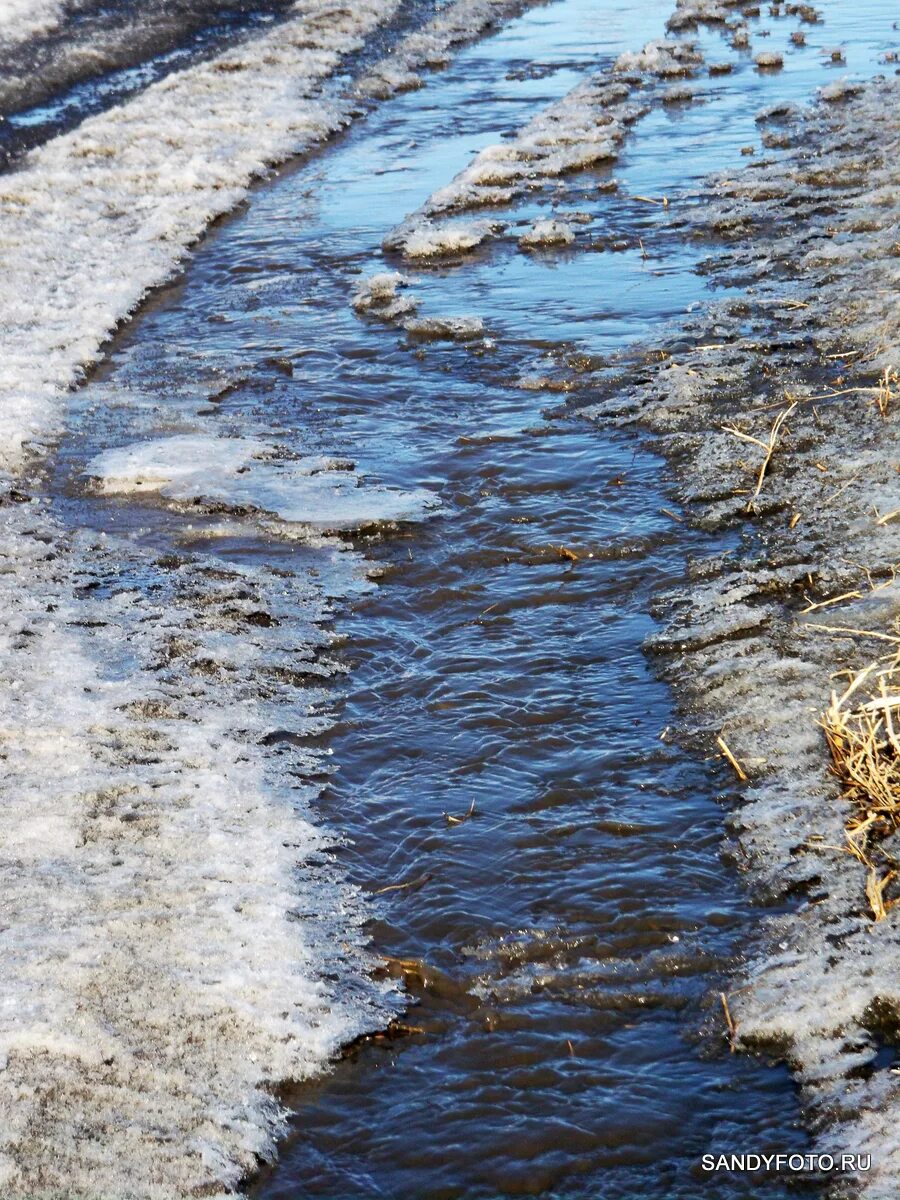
842,488
401,887
396,1029
451,820
884,637
768,446
732,1028
834,600
739,770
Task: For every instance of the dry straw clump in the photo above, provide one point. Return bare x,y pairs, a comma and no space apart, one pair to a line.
863,730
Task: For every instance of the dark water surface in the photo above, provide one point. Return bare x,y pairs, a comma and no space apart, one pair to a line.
563,947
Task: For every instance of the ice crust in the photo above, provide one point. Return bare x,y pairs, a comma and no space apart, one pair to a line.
240,474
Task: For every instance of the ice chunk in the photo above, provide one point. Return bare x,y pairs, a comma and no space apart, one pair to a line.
243,475
548,233
379,294
432,241
459,329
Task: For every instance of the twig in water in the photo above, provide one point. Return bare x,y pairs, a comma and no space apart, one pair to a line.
394,1030
732,1028
451,820
402,887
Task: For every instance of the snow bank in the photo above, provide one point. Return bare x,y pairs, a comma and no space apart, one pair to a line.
156,858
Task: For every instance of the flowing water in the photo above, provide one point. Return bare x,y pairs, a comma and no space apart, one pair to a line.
544,861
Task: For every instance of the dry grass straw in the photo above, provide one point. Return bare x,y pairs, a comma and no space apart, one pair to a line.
735,762
887,393
768,446
862,726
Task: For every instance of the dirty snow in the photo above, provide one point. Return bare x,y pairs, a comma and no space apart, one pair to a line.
23,19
